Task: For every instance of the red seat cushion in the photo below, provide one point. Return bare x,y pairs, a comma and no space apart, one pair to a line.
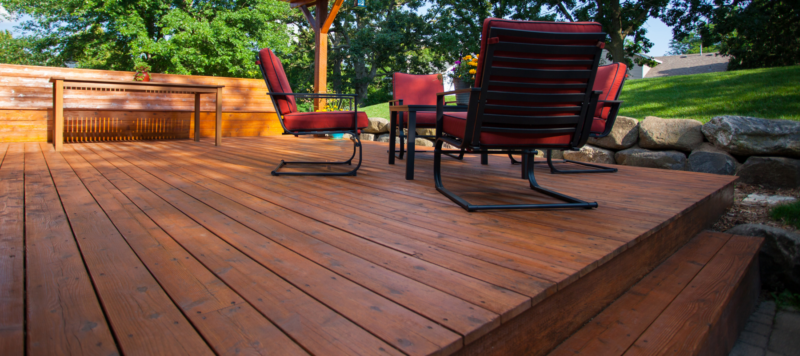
278,83
455,124
323,121
424,119
598,125
416,89
609,80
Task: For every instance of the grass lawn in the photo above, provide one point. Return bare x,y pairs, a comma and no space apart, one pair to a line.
770,93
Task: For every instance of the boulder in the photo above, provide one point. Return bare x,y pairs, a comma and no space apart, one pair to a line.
748,136
771,172
557,154
369,137
641,157
591,154
764,200
671,134
421,142
377,125
623,135
709,159
779,258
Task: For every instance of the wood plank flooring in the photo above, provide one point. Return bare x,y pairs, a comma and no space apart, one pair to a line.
179,247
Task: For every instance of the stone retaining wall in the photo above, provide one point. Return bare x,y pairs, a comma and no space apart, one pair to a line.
760,151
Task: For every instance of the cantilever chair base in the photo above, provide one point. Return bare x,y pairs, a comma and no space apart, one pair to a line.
356,146
569,202
554,170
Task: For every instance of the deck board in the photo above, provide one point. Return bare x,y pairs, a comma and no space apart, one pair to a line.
374,264
12,268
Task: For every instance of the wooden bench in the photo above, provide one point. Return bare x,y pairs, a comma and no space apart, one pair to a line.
694,303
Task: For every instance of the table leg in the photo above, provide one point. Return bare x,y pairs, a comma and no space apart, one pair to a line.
218,125
392,135
412,136
197,117
58,115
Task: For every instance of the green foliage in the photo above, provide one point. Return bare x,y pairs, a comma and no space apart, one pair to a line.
755,33
787,213
786,299
690,44
764,34
17,51
771,93
178,37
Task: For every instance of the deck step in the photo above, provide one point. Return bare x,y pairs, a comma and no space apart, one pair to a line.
696,302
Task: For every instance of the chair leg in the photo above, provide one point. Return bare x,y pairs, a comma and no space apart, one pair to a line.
598,169
569,202
356,147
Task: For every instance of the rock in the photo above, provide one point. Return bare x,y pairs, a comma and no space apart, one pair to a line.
760,199
591,154
771,172
385,138
671,134
623,135
421,142
779,258
640,157
557,154
377,125
748,136
709,159
369,137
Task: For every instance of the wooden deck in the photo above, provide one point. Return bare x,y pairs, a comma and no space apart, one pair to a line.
178,247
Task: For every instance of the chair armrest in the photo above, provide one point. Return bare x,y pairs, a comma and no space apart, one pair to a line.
617,102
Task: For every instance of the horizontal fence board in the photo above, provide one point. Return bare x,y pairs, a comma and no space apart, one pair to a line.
26,101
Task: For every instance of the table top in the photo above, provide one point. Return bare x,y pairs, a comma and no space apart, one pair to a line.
136,86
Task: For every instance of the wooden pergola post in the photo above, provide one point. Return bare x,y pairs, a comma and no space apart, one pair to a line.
321,23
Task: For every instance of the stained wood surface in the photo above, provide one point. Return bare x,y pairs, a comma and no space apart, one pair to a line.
26,103
249,263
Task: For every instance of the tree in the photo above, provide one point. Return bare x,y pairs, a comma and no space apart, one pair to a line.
458,23
16,51
690,44
384,37
754,33
182,37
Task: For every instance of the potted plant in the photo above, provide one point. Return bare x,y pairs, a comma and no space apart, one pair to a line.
142,73
463,75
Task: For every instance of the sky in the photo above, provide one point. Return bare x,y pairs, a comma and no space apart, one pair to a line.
658,33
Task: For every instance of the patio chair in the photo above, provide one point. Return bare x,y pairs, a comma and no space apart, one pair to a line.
533,90
310,123
418,93
610,79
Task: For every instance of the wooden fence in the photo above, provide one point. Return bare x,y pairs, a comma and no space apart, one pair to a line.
26,108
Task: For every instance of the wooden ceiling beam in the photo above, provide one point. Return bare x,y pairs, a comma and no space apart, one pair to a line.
298,3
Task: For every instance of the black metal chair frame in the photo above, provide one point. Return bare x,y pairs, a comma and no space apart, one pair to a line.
354,136
478,103
612,118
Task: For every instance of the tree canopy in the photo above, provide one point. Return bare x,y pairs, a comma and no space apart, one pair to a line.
211,37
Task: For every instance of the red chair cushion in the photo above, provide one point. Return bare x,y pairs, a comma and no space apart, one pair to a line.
417,89
455,124
598,125
542,26
609,80
278,83
323,121
424,119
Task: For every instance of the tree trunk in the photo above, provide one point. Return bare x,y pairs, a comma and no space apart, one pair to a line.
617,45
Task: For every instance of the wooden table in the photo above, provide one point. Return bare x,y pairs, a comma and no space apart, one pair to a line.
60,84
